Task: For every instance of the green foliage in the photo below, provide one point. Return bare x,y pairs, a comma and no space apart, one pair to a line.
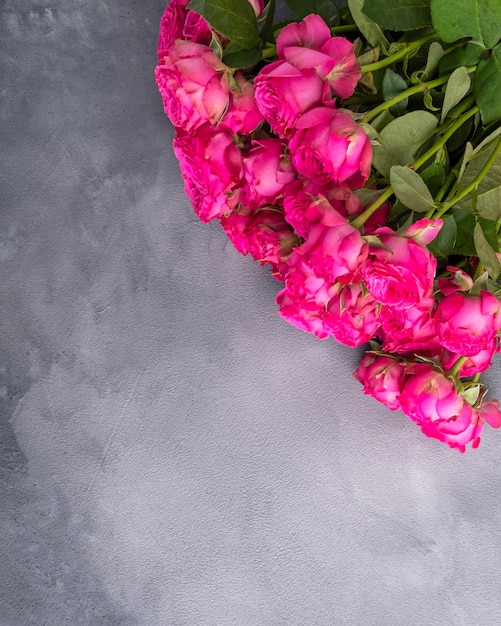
369,29
325,8
444,243
487,87
478,19
402,138
399,14
411,189
393,85
234,19
488,195
457,87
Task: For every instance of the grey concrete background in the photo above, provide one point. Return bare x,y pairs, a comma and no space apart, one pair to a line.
171,451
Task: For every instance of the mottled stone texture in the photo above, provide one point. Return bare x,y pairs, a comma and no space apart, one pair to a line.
171,451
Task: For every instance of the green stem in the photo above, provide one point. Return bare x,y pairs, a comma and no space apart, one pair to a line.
269,51
372,208
454,370
473,185
451,177
346,28
476,378
479,271
440,143
408,48
421,87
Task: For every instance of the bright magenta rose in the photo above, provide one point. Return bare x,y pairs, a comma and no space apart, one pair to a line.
432,401
382,377
211,165
334,250
303,300
352,315
242,115
179,23
309,45
329,147
268,172
262,233
410,331
401,273
195,85
283,93
468,324
479,362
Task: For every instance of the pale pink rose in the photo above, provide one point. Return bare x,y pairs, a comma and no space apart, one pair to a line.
468,324
382,377
303,300
329,147
352,315
309,45
283,93
268,171
410,331
475,364
211,165
258,6
242,115
401,273
195,85
334,250
262,233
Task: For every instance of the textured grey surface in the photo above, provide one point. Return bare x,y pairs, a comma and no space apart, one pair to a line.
171,451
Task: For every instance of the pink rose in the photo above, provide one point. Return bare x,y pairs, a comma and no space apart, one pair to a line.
352,315
466,427
329,147
382,377
334,250
179,23
479,362
258,6
410,331
242,115
263,233
401,273
489,411
171,25
195,85
303,300
433,401
268,172
468,324
308,45
283,93
211,165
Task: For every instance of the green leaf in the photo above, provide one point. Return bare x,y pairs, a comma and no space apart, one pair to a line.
410,189
489,190
444,243
234,19
369,29
467,56
267,28
457,87
478,19
485,253
399,14
487,86
434,177
394,84
238,58
435,53
325,8
402,139
465,224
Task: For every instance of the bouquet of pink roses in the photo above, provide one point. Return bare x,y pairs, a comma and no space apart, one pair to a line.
355,148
